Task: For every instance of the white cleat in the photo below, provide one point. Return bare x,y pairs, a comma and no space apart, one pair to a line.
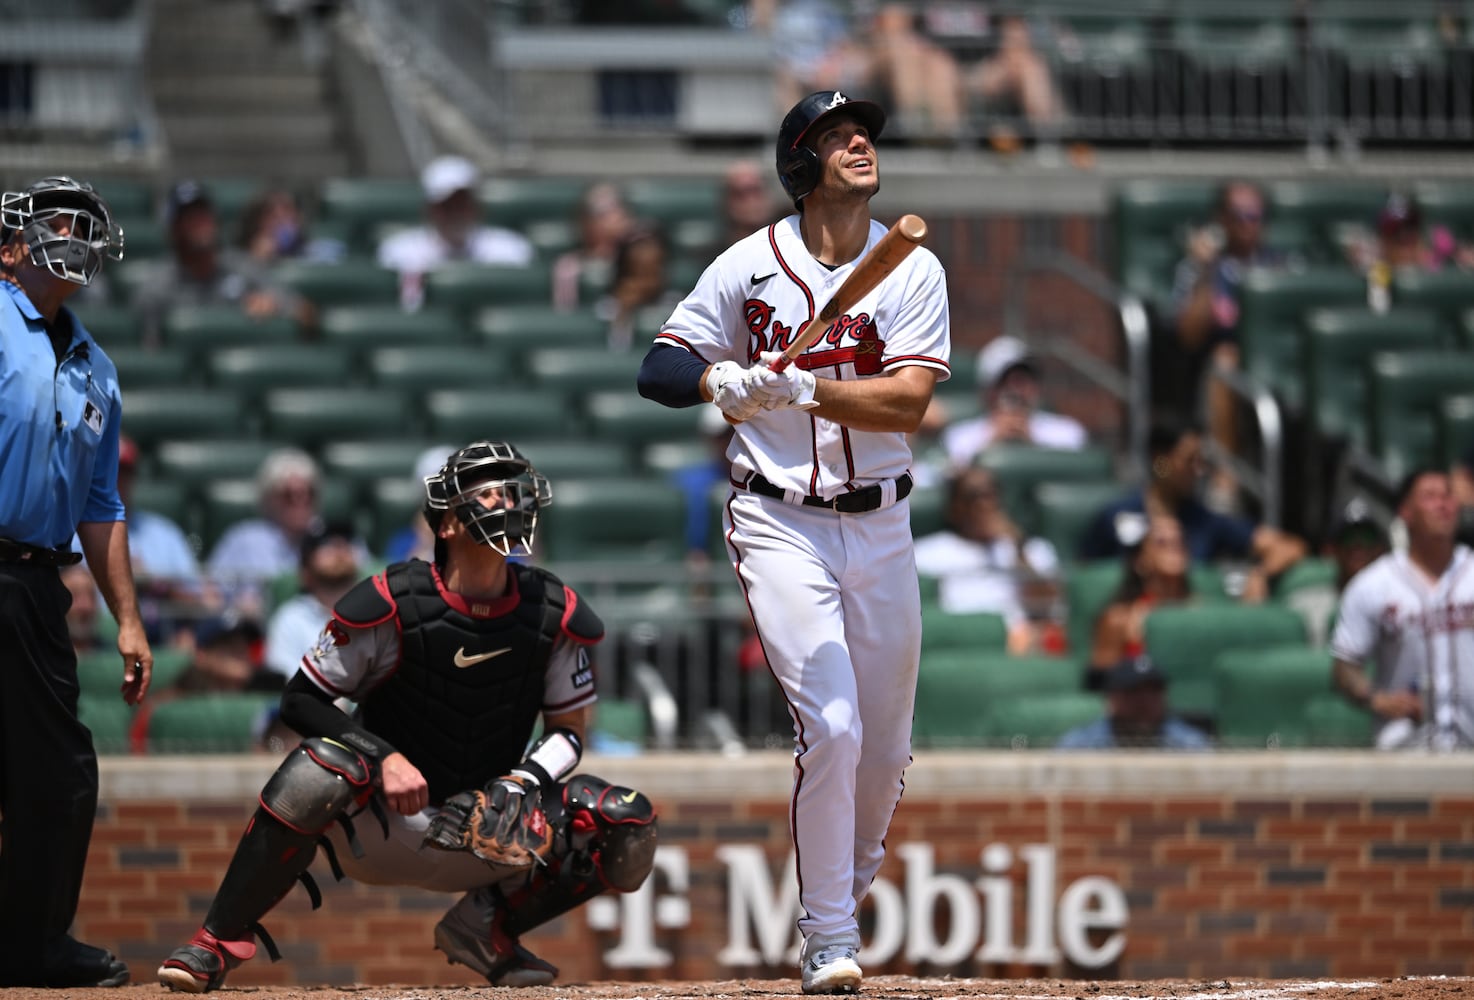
829,965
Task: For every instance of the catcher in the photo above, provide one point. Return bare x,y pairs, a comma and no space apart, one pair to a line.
426,784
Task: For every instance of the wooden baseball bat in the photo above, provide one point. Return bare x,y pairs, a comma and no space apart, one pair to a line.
892,248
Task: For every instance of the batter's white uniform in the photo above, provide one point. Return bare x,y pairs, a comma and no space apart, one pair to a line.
350,663
1420,637
834,596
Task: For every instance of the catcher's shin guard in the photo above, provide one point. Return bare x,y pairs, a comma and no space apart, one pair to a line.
314,786
611,835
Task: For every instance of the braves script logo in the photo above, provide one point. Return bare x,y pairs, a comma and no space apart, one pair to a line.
848,339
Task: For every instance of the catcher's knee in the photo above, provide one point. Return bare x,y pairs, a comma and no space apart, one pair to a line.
317,784
615,825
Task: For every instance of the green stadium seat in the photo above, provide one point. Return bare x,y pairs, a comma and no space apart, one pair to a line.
109,719
575,459
170,498
668,200
1405,393
208,723
192,412
1184,639
583,369
1331,722
193,462
468,288
253,371
346,283
1214,40
127,196
1262,694
223,502
1271,306
1449,203
312,417
100,671
1149,219
1455,429
463,415
622,416
695,236
1039,720
1378,40
1339,343
551,237
623,719
681,274
110,325
1464,331
436,366
519,201
201,329
393,502
363,462
666,457
1088,588
1065,510
980,632
958,690
356,204
1320,207
625,519
514,329
1020,469
231,196
369,326
144,238
1311,571
145,367
1448,292
928,510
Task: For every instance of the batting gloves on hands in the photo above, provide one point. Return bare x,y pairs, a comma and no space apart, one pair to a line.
791,388
731,390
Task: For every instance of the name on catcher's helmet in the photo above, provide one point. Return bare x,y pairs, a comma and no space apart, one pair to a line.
494,491
66,225
798,165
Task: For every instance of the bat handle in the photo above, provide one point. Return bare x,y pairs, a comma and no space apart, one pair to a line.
780,363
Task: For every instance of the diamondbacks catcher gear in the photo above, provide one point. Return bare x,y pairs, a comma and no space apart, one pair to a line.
798,165
57,203
494,491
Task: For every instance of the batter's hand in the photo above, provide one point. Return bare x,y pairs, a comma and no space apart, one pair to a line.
792,387
403,785
730,387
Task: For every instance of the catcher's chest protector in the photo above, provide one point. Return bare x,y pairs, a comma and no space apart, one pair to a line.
461,716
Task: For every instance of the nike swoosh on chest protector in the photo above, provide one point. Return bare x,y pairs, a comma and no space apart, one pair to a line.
463,661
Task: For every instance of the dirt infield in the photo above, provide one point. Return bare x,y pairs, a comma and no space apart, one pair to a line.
891,987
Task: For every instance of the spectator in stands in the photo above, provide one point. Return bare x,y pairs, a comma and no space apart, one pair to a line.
1410,617
415,540
604,220
273,229
1012,75
253,551
1009,379
1403,241
1355,541
203,272
749,202
984,563
1154,573
225,657
1176,469
930,465
329,568
1137,716
453,231
85,614
641,281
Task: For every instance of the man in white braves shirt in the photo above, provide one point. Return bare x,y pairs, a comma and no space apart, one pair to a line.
1411,615
817,525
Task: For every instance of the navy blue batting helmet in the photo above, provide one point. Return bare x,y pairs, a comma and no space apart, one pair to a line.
798,165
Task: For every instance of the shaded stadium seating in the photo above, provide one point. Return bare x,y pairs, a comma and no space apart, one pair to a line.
620,415
108,717
1271,306
1404,397
1448,292
367,326
1319,208
1331,722
161,412
201,329
959,690
1035,721
1456,429
192,462
1263,694
668,200
974,632
573,459
362,462
254,371
518,201
1065,509
143,367
468,288
110,326
223,502
420,369
208,723
583,369
346,283
507,414
1185,641
1020,469
514,329
620,519
355,205
312,417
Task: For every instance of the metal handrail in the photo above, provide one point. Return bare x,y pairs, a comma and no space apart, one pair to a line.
1132,387
1263,483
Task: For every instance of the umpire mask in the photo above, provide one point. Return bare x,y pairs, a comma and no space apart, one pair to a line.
494,491
60,203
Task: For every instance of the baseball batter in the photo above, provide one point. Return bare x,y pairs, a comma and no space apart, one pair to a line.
1411,615
817,524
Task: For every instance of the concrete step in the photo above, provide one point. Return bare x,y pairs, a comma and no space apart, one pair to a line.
240,95
298,130
311,166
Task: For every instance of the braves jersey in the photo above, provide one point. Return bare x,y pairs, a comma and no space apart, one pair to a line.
758,295
1419,634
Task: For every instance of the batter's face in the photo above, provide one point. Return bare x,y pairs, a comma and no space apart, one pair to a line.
847,155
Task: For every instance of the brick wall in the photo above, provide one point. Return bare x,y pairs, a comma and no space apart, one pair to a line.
1259,865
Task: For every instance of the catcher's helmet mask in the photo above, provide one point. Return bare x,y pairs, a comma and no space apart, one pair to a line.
75,256
798,165
494,491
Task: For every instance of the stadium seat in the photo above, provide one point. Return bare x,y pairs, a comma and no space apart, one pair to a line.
979,632
362,462
667,200
1455,428
129,197
347,283
193,412
512,330
108,717
110,325
1149,218
584,369
144,367
1065,510
561,459
311,417
1262,694
551,237
370,326
1037,721
518,201
230,196
170,498
144,237
1449,203
1405,392
623,719
928,510
460,415
193,462
253,371
621,519
624,417
100,671
1271,306
393,502
1370,40
209,723
1184,640
958,689
1448,292
468,288
1320,207
202,329
419,369
1330,721
1339,343
356,204
1020,469
223,502
1311,571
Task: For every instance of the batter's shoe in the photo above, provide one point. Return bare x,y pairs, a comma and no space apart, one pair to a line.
828,964
201,965
72,964
471,933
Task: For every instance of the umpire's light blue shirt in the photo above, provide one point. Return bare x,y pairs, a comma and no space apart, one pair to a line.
58,429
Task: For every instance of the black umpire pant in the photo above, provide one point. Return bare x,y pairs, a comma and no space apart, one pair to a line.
48,770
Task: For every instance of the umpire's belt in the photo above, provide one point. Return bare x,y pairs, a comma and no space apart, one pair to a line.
12,551
856,502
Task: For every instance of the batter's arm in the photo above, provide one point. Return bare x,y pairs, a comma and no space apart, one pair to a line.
896,401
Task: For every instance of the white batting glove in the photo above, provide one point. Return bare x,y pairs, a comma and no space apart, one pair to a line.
730,387
791,388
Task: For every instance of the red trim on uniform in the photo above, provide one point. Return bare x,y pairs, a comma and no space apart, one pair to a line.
824,359
496,607
912,359
679,342
849,452
792,275
570,604
587,698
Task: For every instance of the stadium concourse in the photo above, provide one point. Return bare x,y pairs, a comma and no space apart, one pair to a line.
893,987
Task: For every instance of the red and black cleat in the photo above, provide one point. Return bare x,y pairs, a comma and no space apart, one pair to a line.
201,965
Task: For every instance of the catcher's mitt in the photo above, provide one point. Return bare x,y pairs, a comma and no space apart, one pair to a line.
503,825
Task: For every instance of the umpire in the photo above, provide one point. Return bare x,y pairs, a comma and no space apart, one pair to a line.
60,412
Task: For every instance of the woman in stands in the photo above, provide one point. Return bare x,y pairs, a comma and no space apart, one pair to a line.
1156,573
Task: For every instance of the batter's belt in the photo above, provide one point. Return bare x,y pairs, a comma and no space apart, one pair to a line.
855,502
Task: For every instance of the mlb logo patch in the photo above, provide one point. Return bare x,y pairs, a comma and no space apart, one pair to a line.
92,417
